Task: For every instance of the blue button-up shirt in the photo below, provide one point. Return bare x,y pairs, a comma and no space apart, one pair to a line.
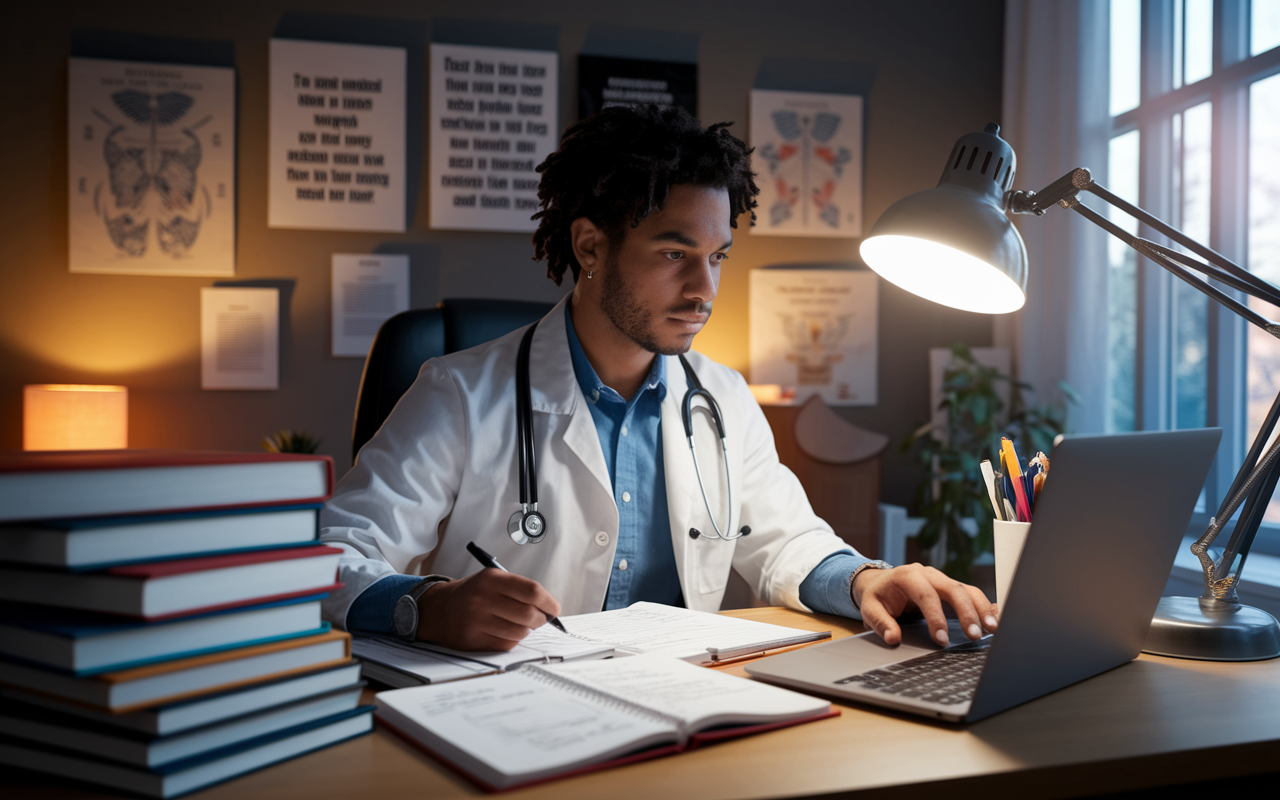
631,440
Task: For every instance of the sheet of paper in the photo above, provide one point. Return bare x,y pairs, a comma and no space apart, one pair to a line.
816,331
542,644
337,140
808,162
367,291
151,163
694,695
679,632
239,338
493,120
402,656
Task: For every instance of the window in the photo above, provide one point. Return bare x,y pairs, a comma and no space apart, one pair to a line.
1195,140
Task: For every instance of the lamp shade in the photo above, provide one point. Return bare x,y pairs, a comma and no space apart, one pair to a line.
953,244
59,416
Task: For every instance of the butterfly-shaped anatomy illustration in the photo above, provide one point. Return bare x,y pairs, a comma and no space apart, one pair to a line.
152,174
804,166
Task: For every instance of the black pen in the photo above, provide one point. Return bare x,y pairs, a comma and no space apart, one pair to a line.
492,563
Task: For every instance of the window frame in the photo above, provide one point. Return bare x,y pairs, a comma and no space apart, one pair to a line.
1227,88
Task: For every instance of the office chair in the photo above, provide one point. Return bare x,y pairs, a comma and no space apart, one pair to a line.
408,339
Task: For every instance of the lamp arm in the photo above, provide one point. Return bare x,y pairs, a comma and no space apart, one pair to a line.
1256,480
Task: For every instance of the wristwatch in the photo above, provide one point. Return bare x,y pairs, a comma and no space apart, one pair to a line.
404,619
854,576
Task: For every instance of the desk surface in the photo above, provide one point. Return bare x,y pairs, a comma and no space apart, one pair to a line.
1151,722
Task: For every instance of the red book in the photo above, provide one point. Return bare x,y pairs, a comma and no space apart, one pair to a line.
90,483
179,588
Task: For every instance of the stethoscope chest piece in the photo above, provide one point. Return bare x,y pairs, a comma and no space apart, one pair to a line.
527,527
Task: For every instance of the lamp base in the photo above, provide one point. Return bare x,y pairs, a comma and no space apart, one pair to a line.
1211,630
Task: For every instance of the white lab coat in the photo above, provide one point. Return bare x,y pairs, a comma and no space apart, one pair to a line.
442,471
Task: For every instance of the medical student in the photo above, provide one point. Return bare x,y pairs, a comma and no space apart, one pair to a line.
639,206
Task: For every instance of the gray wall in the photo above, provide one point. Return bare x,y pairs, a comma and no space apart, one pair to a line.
937,76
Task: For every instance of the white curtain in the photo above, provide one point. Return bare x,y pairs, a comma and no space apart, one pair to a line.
1056,119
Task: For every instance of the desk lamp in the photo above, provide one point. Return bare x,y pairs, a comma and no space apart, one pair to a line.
956,246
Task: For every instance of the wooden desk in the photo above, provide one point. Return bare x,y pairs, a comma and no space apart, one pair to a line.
1156,721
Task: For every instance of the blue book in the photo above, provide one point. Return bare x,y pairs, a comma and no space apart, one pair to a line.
84,643
83,544
182,777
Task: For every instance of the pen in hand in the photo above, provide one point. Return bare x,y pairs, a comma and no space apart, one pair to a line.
492,563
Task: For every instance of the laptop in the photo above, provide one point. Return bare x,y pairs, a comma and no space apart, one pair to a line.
1106,529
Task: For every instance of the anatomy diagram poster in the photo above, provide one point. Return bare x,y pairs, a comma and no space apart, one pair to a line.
337,142
815,330
808,162
151,165
492,122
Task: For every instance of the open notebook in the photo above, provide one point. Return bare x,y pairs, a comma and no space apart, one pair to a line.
698,637
549,721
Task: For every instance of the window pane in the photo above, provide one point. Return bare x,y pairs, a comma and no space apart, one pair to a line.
1264,22
1198,25
1190,307
1264,248
1122,287
1125,45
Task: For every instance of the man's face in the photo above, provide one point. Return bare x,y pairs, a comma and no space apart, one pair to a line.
660,279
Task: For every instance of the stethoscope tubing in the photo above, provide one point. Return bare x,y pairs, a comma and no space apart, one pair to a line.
519,530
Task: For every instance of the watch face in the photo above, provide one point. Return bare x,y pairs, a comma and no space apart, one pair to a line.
405,617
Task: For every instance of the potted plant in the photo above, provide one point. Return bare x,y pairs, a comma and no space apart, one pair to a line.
977,417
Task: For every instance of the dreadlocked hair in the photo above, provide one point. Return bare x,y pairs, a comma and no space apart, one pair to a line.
618,166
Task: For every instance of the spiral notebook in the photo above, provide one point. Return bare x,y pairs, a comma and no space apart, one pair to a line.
548,721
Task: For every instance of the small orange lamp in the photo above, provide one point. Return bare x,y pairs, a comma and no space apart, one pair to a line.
61,416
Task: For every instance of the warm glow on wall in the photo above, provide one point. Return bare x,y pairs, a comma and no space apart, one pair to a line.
58,416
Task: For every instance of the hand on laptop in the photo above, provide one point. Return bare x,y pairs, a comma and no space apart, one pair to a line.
883,594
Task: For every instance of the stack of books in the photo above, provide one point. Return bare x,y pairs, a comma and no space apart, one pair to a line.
160,623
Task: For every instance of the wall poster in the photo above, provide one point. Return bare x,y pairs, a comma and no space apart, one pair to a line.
493,120
808,162
815,330
606,82
337,142
151,165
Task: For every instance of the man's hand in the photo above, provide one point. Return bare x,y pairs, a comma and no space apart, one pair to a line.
883,594
490,610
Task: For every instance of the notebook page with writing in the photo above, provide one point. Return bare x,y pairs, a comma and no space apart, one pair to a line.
516,728
682,633
699,698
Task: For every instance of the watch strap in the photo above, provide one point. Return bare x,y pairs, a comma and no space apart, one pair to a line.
853,576
425,584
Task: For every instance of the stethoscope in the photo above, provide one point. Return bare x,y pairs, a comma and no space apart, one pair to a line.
529,526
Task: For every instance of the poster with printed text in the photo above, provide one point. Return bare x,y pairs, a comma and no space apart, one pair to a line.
151,168
808,163
367,290
492,122
337,142
814,331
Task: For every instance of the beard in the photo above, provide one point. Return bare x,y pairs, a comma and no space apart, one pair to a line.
619,304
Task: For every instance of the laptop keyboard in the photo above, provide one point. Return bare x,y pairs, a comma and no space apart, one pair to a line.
947,677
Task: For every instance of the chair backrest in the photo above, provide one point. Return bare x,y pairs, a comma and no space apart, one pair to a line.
408,339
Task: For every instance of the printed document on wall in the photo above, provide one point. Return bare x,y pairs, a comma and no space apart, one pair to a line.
367,291
808,163
239,338
337,142
151,168
493,120
814,330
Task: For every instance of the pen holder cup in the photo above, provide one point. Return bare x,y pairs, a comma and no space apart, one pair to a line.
1009,539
